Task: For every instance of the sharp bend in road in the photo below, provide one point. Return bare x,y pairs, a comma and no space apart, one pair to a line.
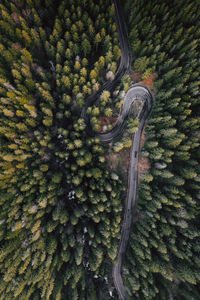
134,93
137,91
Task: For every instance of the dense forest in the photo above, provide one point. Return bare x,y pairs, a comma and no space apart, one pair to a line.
61,204
163,259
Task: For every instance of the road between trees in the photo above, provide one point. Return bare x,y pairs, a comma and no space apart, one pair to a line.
136,92
124,66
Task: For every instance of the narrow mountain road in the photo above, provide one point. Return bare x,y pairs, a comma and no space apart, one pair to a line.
136,92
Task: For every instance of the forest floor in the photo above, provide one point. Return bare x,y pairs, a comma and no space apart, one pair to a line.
143,162
149,81
105,121
119,162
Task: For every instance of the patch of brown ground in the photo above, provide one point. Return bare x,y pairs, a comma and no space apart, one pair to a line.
119,162
137,78
143,162
106,121
143,165
143,138
112,158
124,163
15,17
149,82
16,46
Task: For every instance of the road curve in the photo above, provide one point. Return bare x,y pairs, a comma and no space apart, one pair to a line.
134,93
138,91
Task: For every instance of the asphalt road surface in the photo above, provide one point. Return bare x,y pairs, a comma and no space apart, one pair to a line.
135,92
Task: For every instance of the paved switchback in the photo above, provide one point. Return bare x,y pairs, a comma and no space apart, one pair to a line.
136,92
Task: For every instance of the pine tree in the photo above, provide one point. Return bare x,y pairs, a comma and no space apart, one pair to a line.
86,46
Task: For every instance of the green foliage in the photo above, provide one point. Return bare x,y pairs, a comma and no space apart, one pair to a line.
163,257
54,203
141,64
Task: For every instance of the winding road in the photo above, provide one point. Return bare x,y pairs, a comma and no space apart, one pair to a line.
136,92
